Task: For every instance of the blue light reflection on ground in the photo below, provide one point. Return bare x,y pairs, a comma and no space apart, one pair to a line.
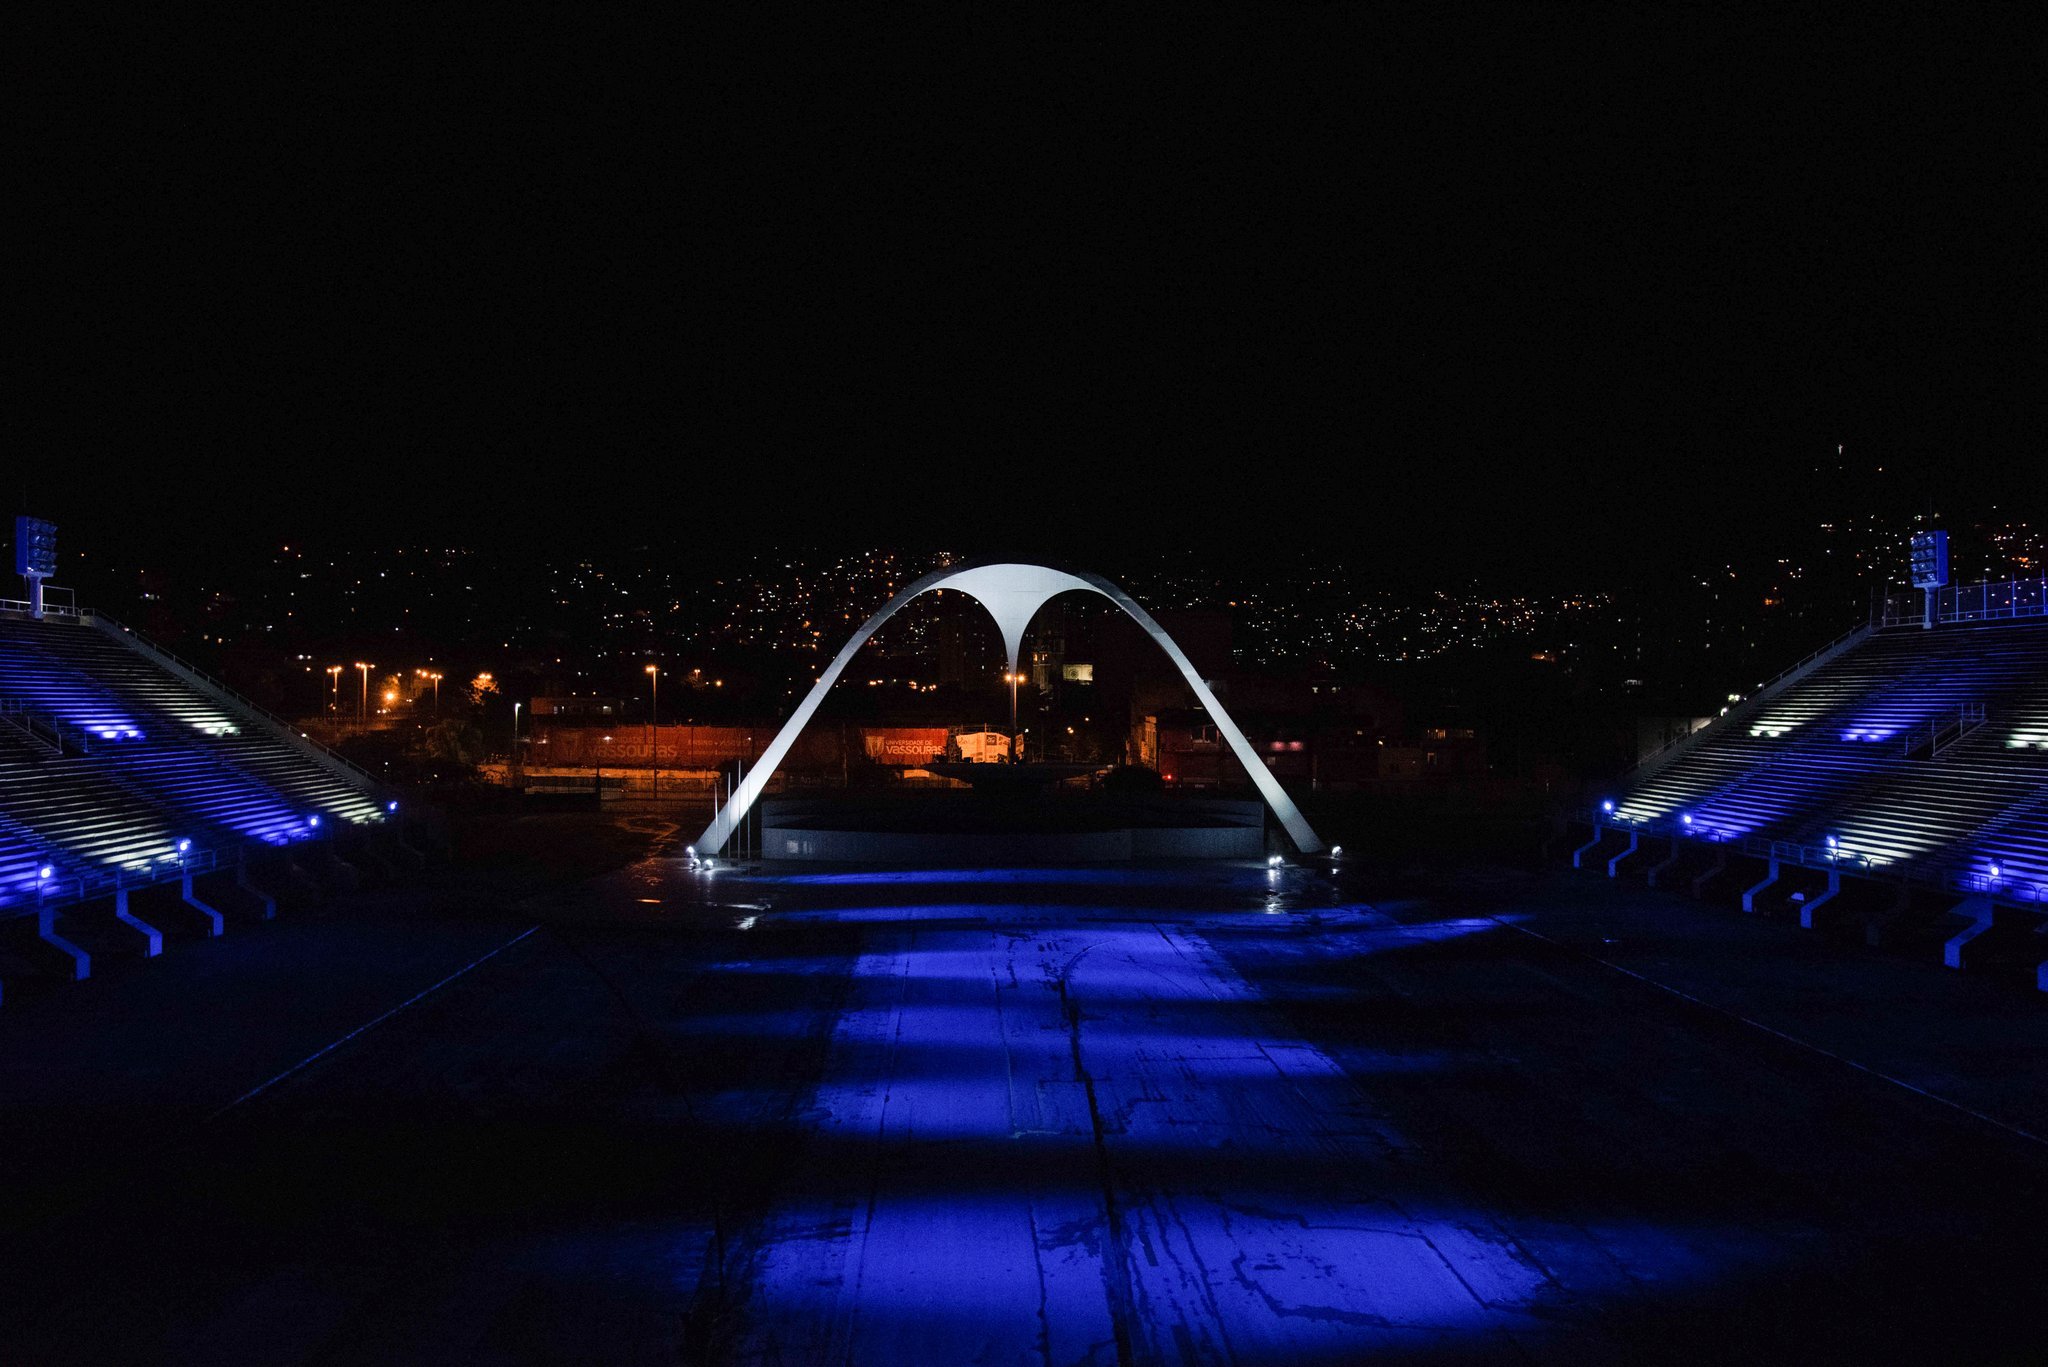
1050,1116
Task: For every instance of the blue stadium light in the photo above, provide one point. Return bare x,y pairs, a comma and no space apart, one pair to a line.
45,873
1995,872
1685,818
391,806
184,845
313,820
1608,805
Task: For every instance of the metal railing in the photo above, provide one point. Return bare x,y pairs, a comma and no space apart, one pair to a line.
1945,729
1993,600
1830,858
2010,889
40,730
287,730
79,885
26,608
1755,698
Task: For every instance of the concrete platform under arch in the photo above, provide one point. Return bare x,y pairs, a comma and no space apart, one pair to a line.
955,828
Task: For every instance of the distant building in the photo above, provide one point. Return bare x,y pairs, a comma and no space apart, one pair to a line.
575,705
982,747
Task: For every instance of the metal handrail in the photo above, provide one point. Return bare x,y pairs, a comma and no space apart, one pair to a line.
1965,719
2023,598
1784,674
1756,695
1829,858
27,609
266,714
33,725
2012,889
80,884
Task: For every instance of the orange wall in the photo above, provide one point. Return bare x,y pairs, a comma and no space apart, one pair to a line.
824,747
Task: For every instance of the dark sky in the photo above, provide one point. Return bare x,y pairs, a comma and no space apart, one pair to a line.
1457,284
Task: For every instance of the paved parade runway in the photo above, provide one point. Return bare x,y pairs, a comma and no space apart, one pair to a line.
1061,1132
1143,1115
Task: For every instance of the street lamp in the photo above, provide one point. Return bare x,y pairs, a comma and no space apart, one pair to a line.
334,681
363,710
654,727
1013,677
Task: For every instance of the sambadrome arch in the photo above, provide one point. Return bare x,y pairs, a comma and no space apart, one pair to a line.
1013,594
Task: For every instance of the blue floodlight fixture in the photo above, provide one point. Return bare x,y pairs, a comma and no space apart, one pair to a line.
1685,818
35,547
45,873
1608,805
35,557
313,820
1930,559
1996,872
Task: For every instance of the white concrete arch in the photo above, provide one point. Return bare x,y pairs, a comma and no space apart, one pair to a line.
1013,594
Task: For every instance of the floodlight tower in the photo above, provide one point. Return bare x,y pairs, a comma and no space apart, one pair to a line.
1930,570
35,557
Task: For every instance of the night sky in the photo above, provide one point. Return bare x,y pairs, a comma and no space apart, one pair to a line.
1443,285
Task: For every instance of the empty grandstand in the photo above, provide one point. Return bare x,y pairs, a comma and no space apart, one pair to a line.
1901,753
122,767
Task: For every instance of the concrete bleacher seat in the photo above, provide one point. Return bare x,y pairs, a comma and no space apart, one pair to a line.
1846,755
113,761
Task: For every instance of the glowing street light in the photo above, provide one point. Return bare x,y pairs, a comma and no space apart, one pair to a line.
1015,678
654,725
363,710
334,680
